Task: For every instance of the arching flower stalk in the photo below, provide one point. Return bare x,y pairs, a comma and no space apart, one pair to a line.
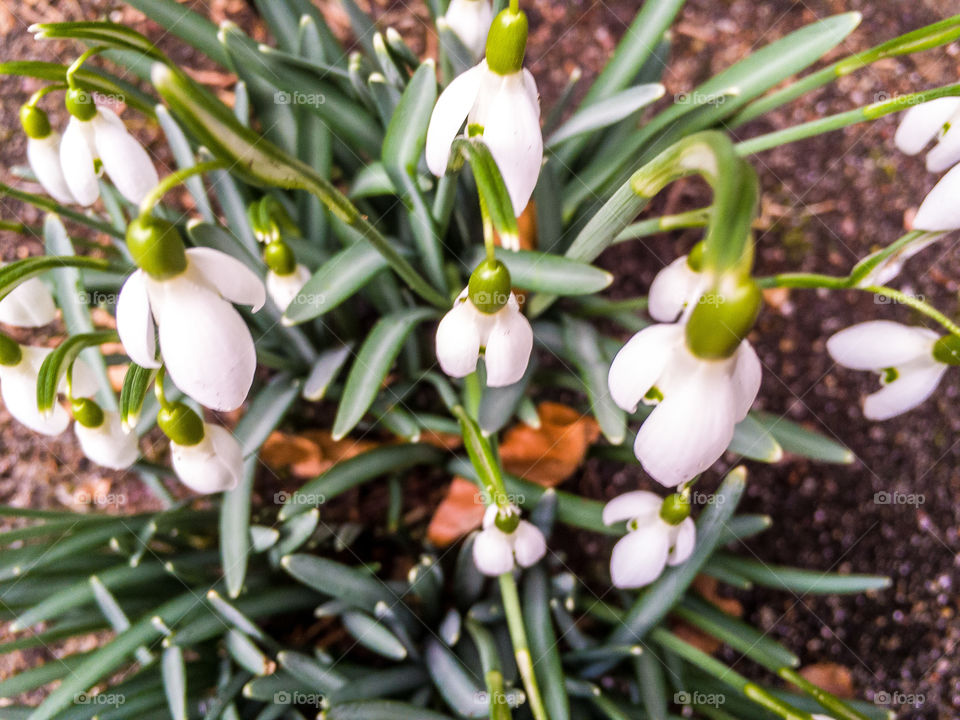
910,361
660,532
205,344
498,99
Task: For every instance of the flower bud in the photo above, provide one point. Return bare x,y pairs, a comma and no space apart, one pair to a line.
35,122
947,350
675,508
80,104
156,247
489,287
722,318
507,42
181,424
280,258
87,412
506,520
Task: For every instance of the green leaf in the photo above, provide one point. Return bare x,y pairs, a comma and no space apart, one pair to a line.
800,581
136,383
583,349
357,470
191,27
456,685
372,364
183,154
355,587
606,112
175,682
308,670
493,191
544,645
324,372
334,282
751,439
109,34
373,635
554,274
798,440
381,710
400,680
57,363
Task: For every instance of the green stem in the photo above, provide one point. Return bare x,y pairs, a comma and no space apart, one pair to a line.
488,234
918,305
514,6
158,389
78,63
174,179
700,217
43,92
521,649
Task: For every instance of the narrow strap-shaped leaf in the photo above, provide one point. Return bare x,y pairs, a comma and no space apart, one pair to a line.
381,710
490,184
797,580
798,440
308,670
555,274
175,682
373,361
583,349
324,372
136,383
459,688
190,26
57,363
357,588
606,112
247,655
183,154
399,680
544,648
751,439
95,32
373,635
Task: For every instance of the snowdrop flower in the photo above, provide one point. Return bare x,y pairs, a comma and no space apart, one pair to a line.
29,304
701,376
676,286
205,344
207,458
888,268
43,153
940,210
102,437
498,99
910,361
659,533
486,319
506,538
285,276
96,133
933,119
470,20
19,367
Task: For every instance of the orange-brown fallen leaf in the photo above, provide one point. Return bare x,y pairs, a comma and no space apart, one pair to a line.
832,677
458,513
311,453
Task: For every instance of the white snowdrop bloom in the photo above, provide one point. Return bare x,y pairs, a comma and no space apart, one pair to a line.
934,119
910,361
124,159
212,465
205,344
505,110
282,289
43,154
698,401
887,269
504,337
940,210
470,20
496,552
108,444
673,289
651,543
18,387
29,304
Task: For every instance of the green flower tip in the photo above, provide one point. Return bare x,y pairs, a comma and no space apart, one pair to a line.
181,424
675,509
156,247
87,412
947,350
80,104
507,42
722,318
10,352
506,520
489,287
35,122
280,258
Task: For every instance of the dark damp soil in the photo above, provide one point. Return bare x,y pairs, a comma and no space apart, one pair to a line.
827,201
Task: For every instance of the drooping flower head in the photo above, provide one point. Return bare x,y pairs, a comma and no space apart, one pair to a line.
910,361
96,133
659,533
285,276
186,295
207,458
499,101
507,541
43,153
936,119
679,284
470,20
486,319
102,436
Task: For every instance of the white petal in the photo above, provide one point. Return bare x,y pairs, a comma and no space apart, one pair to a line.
458,340
206,346
18,386
529,544
640,556
684,537
946,153
922,123
470,20
915,384
108,445
511,129
940,209
451,110
135,322
889,268
640,362
689,430
673,287
508,348
30,304
124,159
82,379
745,378
76,162
530,84
493,552
632,505
282,289
879,344
44,158
227,276
212,465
